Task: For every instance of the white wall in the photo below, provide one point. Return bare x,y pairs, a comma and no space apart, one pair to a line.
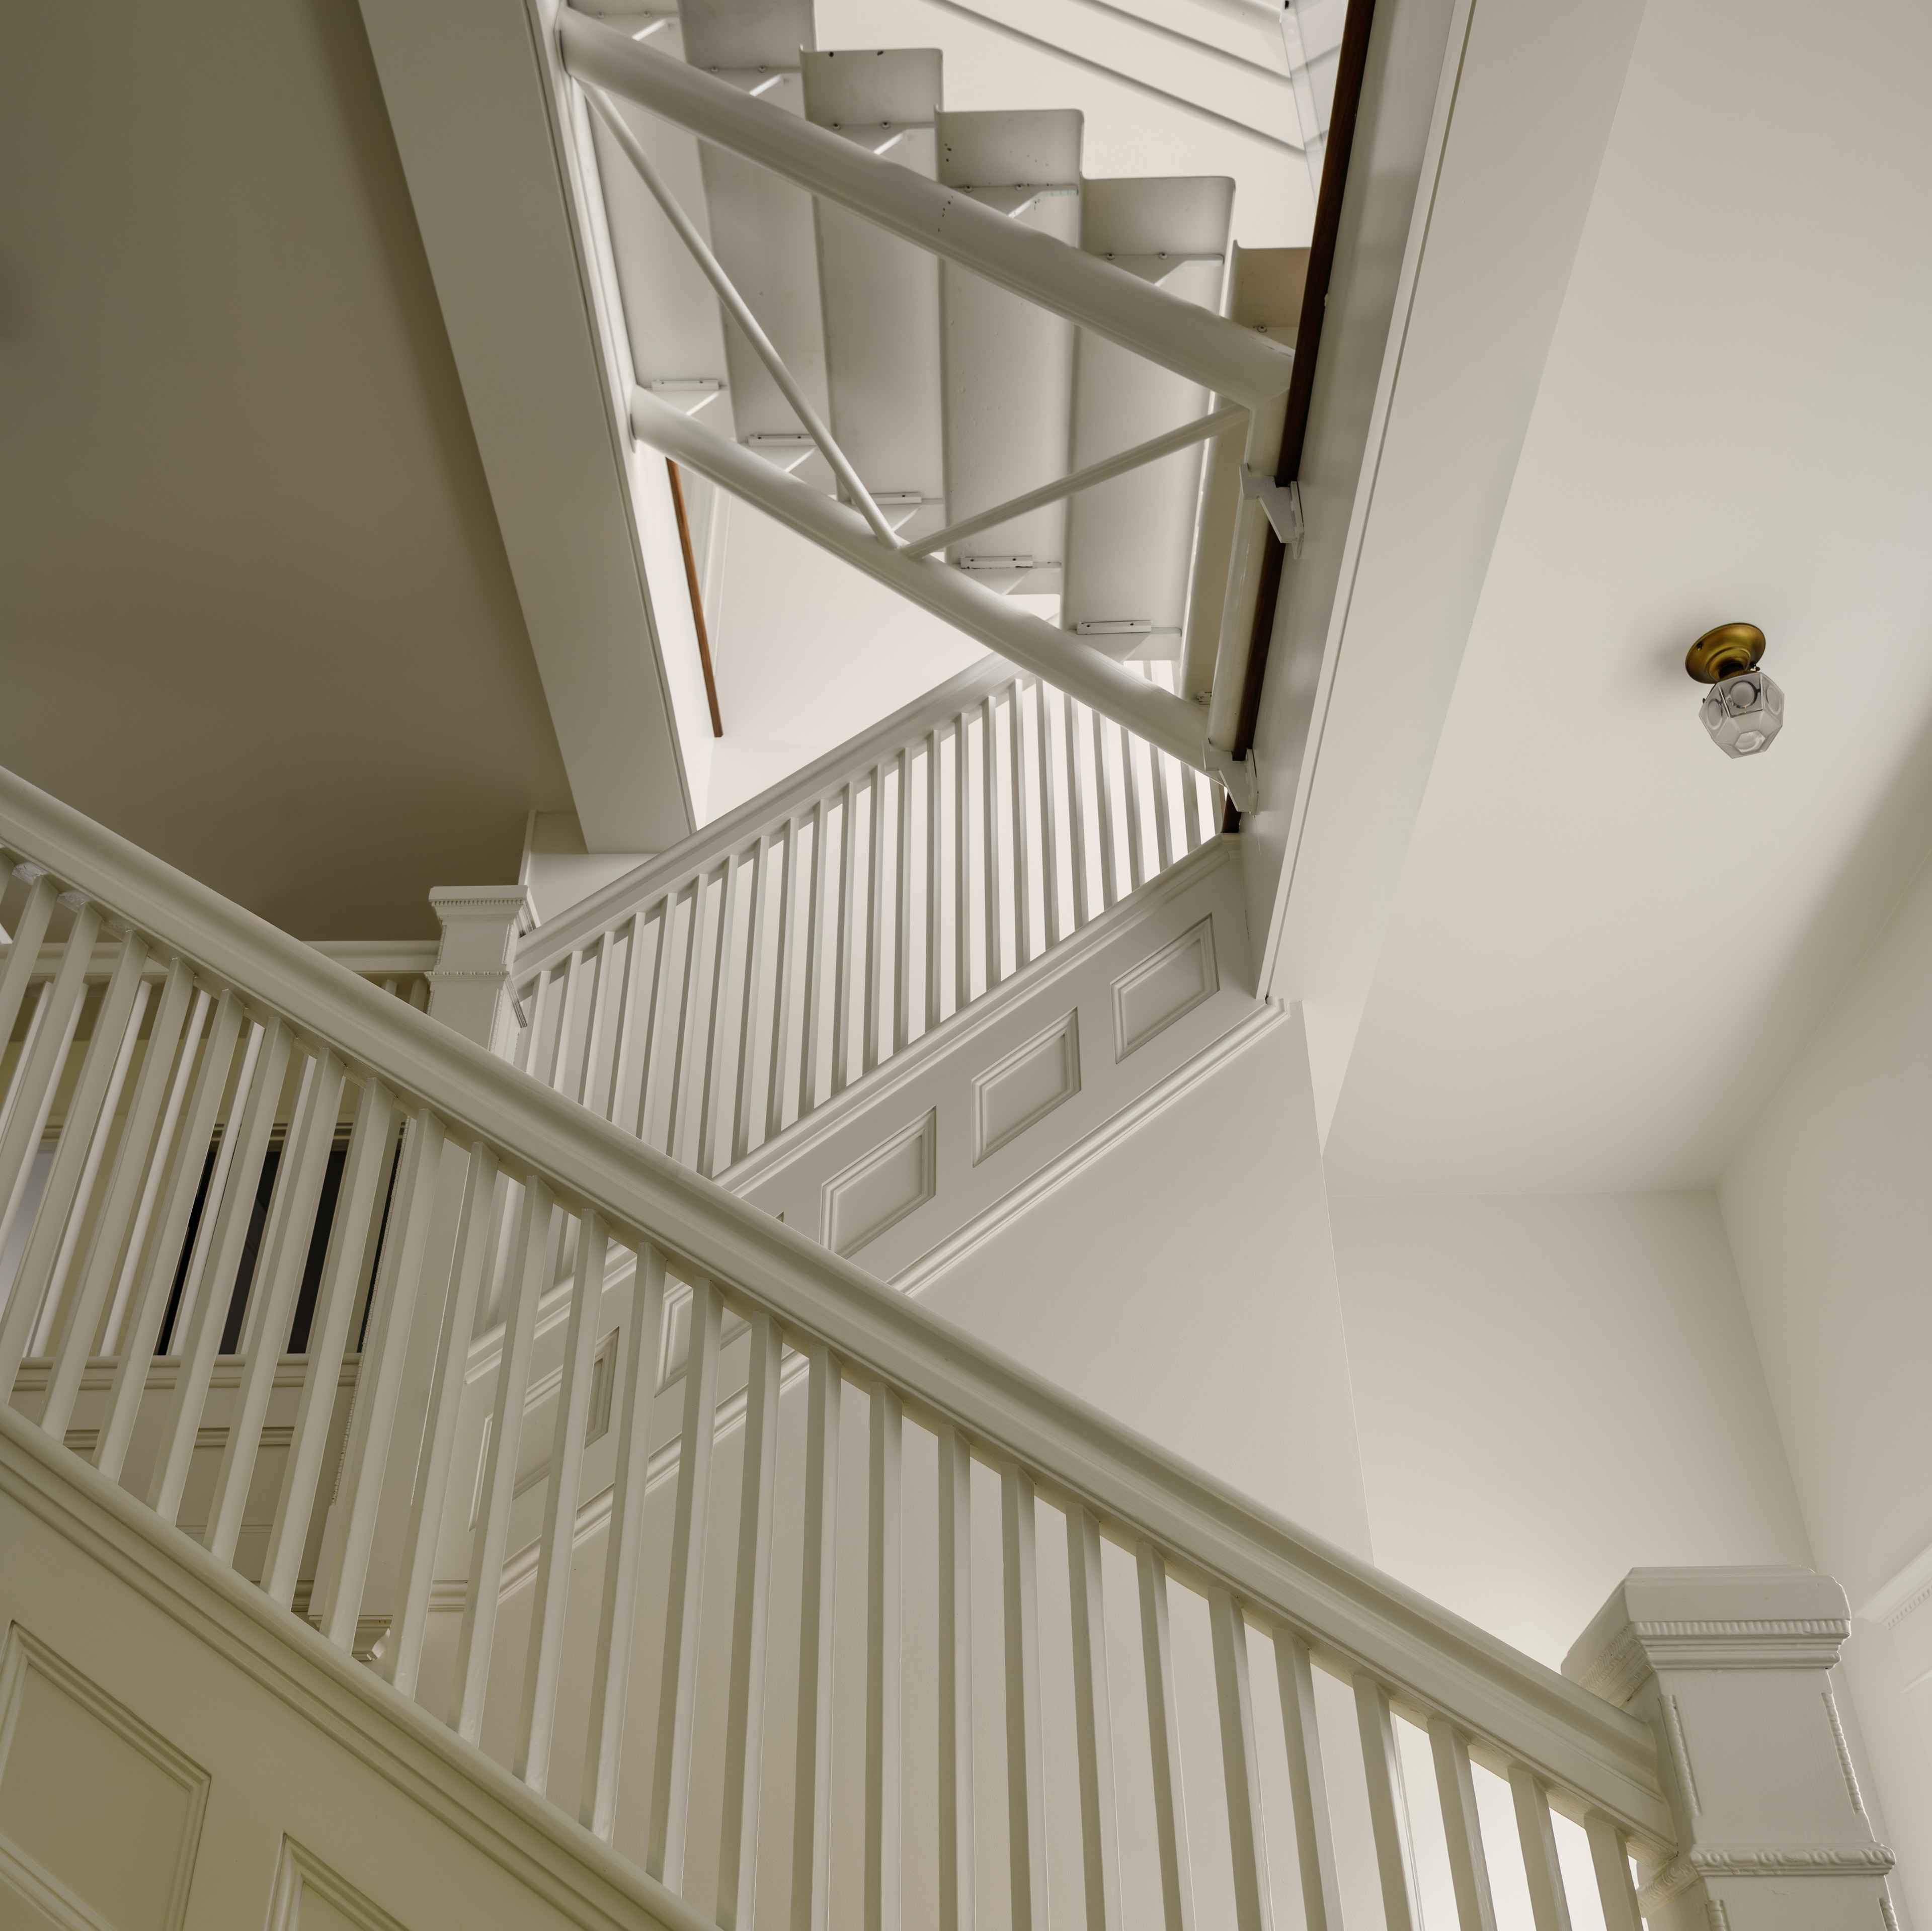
1185,1283
1829,1203
1552,1390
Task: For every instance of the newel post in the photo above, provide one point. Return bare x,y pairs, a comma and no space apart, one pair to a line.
469,989
1730,1669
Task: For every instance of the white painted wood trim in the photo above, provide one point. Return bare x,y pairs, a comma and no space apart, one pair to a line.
530,1839
1514,1708
1055,1174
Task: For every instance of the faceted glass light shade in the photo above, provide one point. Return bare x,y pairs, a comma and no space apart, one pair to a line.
1744,713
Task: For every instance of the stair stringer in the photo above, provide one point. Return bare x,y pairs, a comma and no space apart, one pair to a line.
300,1746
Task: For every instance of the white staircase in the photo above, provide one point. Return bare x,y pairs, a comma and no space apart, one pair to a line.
683,1523
1051,383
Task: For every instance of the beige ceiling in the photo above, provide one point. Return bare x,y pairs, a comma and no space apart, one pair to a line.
1609,940
254,608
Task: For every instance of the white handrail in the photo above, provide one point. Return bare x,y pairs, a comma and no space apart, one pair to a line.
530,1161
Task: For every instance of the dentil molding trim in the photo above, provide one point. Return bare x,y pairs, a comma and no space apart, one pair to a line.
1762,1860
1642,1648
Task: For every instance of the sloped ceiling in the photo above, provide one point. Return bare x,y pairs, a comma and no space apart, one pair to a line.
1609,939
254,609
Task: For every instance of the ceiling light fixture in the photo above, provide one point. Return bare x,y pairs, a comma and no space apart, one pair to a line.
1744,710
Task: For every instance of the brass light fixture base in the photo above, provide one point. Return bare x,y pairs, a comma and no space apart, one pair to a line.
1724,652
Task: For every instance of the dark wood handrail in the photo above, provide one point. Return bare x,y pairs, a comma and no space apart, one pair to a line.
1349,71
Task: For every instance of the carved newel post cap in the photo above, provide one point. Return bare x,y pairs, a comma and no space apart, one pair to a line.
1731,1669
1777,1616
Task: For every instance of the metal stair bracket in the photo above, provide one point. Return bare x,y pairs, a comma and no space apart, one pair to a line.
1238,777
1282,502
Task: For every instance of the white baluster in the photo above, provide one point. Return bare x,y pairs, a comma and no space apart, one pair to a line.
175,1202
1611,1858
103,1264
371,1145
648,1052
902,908
272,1295
962,867
1170,1807
677,1698
883,1637
744,1709
1049,818
595,1005
1016,812
1026,1768
811,1783
42,1062
841,971
714,1132
1092,1722
690,1033
1456,1790
209,1285
1191,783
775,1081
416,1569
55,1298
344,1567
1548,1905
811,1023
1158,769
556,1074
1076,813
487,1546
24,955
630,996
875,918
1308,1784
955,1681
1388,1806
935,899
617,1614
989,812
1103,802
38,1281
1247,1828
738,1139
536,1725
1130,794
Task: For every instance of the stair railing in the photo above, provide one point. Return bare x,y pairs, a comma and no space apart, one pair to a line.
161,1342
715,996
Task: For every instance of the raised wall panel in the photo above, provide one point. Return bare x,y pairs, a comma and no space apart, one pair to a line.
1164,987
310,1896
880,1190
1026,1086
74,1763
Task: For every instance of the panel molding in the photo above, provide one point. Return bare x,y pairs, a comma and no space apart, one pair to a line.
989,1132
1133,1029
299,1870
920,1137
23,1655
1054,1175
